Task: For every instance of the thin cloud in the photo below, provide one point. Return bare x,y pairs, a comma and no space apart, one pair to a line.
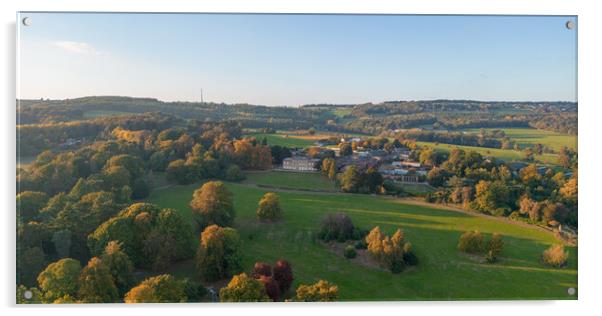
78,47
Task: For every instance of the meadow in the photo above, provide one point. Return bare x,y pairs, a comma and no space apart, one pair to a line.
530,136
443,273
507,155
284,140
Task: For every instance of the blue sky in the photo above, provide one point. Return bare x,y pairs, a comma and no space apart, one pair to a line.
297,59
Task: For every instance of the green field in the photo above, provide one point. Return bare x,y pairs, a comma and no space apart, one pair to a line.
282,140
291,180
443,273
503,154
94,113
530,136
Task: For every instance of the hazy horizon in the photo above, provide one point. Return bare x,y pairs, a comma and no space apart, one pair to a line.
293,60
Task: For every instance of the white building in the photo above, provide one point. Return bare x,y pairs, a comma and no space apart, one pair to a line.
300,163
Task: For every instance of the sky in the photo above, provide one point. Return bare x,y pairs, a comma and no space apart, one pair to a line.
297,59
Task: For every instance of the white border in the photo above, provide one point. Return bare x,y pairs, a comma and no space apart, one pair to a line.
590,104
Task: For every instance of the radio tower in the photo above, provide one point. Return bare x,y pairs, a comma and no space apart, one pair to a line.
202,96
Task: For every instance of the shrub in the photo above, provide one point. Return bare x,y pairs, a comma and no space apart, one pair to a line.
555,256
321,291
350,252
409,258
471,242
495,245
361,244
389,251
233,173
336,226
269,207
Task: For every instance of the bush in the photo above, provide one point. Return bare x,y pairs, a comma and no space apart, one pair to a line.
233,173
350,252
336,226
495,245
321,291
471,242
555,256
361,244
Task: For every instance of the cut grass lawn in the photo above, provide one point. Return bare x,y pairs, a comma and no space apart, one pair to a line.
503,154
443,272
291,180
530,136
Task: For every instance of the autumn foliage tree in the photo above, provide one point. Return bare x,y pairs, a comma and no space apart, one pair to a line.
389,251
555,256
243,288
218,255
269,208
212,205
471,242
119,265
283,274
321,291
60,279
96,284
159,289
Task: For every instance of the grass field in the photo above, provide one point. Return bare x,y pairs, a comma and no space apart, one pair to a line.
282,140
503,154
94,113
443,273
291,180
530,136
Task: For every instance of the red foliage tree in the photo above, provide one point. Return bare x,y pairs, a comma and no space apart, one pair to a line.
283,274
272,288
261,269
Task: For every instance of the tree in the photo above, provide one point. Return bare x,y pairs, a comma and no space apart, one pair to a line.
140,189
261,269
345,149
178,171
119,265
233,173
62,242
388,251
329,168
350,180
31,262
494,247
163,288
436,177
321,291
269,207
243,288
29,204
96,284
59,279
471,242
490,196
555,256
219,253
283,274
212,204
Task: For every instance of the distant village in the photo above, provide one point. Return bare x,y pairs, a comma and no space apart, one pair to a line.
395,164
